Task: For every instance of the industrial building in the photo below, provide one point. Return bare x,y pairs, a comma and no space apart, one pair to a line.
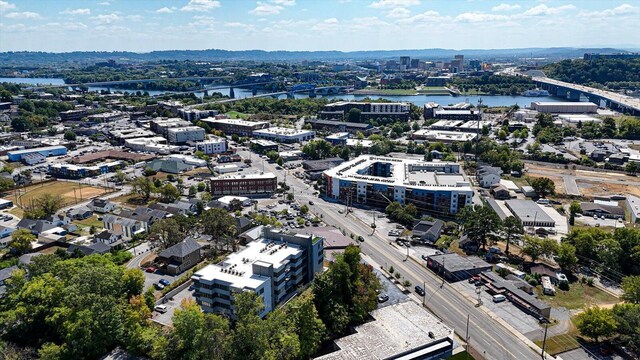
236,126
564,107
443,136
284,135
213,145
182,135
399,331
368,110
341,126
273,266
244,184
71,171
436,187
42,152
575,120
529,213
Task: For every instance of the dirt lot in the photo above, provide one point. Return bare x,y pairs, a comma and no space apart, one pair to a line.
591,188
63,188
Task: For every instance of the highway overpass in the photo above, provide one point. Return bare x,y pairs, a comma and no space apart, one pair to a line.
614,101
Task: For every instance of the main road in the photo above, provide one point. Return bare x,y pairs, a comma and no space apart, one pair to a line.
486,335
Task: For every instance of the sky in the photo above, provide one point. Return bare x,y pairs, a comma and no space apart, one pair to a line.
346,25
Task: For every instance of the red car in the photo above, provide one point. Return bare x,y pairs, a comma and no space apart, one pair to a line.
150,269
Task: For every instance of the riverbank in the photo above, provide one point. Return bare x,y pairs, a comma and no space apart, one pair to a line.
434,90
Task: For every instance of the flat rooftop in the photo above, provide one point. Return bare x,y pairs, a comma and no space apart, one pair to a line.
397,328
268,175
282,131
238,122
111,154
445,135
404,172
454,262
528,210
242,276
28,151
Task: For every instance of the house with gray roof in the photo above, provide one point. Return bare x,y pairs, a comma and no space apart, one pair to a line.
128,227
180,257
427,231
608,211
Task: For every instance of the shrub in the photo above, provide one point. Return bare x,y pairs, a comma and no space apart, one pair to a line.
564,285
590,281
391,270
398,275
533,282
406,284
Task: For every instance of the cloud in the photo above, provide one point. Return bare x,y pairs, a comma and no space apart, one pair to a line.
134,17
166,10
104,3
284,2
398,13
326,25
473,17
505,7
428,16
4,6
263,9
201,5
23,15
76,12
106,19
622,10
543,9
384,4
55,26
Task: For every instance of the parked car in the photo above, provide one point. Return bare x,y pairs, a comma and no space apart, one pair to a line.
383,298
161,308
150,269
419,290
499,298
311,202
164,282
360,238
158,286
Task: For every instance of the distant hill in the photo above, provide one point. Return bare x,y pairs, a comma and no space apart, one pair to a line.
29,57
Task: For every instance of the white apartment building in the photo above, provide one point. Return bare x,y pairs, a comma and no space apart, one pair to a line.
181,135
157,145
272,267
285,135
213,145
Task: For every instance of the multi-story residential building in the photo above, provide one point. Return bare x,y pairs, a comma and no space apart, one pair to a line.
244,184
236,126
433,187
160,126
368,110
213,145
341,126
156,144
273,267
72,171
285,135
182,135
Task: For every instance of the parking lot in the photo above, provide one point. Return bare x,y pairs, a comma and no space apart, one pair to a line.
590,221
151,278
171,304
504,310
389,289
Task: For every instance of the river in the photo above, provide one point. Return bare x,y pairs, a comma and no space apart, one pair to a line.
419,100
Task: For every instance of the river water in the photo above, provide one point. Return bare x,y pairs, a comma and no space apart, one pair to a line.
419,100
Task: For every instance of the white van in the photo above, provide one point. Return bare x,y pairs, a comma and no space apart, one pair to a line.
499,298
543,202
161,308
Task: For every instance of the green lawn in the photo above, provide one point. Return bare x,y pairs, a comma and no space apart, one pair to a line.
579,296
90,221
561,343
462,356
237,115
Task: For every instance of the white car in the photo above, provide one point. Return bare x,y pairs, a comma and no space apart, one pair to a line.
161,308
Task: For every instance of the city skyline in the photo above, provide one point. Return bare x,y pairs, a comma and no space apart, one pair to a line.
344,25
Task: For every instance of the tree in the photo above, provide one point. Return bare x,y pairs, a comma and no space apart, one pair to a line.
596,323
6,184
631,288
21,241
543,186
354,115
165,233
567,258
143,186
280,161
511,227
534,247
221,226
272,155
250,340
574,209
310,329
169,193
70,135
478,222
201,187
502,135
345,153
304,209
627,317
193,191
44,205
235,205
290,196
631,167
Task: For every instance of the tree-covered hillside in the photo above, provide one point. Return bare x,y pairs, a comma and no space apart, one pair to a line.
614,74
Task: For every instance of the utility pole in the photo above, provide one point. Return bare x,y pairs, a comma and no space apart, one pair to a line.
479,132
466,337
544,341
424,297
443,270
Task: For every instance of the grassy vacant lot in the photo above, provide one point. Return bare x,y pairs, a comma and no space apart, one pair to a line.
579,296
63,188
237,115
88,222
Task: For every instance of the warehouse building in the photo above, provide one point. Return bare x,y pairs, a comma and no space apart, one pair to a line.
564,107
18,155
454,267
529,213
435,187
273,266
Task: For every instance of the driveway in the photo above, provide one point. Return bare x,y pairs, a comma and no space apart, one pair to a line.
172,304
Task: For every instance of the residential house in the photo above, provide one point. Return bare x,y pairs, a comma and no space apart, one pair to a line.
128,227
608,211
179,207
111,238
80,213
145,215
5,231
488,175
180,257
95,248
243,224
428,231
35,226
102,206
500,192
